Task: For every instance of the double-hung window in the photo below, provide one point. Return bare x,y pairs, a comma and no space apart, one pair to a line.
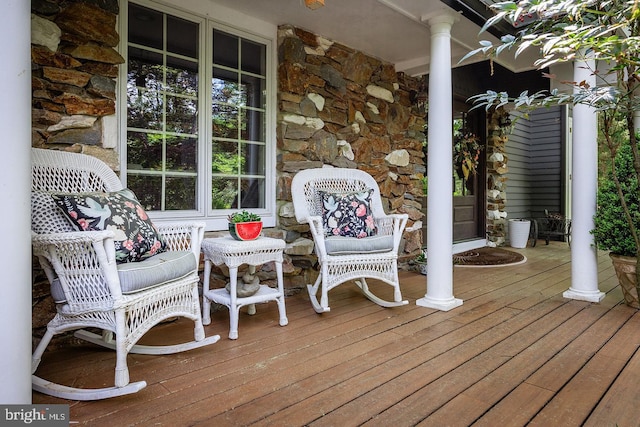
196,116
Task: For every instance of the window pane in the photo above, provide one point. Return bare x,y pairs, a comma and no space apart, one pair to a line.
253,159
182,37
252,125
223,193
224,119
182,76
144,80
181,193
253,57
144,151
145,109
254,91
145,69
252,193
225,49
225,88
225,158
162,96
145,26
239,113
181,115
148,190
181,154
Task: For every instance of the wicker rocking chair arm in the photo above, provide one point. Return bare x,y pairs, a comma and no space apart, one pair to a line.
80,260
315,223
71,237
97,245
183,235
95,248
317,231
392,224
390,219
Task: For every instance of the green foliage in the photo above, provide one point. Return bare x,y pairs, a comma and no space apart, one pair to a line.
604,32
612,230
223,194
225,163
244,216
618,134
566,31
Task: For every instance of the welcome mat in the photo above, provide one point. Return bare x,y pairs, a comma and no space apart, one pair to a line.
488,257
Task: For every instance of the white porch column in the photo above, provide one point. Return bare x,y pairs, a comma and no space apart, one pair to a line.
15,217
584,185
440,171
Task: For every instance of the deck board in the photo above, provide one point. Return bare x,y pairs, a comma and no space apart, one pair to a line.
516,352
614,409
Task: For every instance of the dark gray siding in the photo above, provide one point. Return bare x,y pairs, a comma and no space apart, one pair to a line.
535,152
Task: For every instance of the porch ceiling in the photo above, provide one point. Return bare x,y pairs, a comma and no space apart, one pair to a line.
391,30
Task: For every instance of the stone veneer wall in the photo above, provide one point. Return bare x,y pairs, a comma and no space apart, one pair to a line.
74,66
498,131
339,107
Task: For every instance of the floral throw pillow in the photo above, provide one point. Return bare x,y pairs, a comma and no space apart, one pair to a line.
348,214
136,238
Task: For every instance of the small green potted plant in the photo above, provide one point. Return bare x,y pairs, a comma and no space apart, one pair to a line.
421,260
244,225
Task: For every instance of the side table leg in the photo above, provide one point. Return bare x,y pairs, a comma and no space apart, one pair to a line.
206,303
281,307
251,308
234,309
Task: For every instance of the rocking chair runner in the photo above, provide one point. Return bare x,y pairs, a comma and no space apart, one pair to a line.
343,258
91,290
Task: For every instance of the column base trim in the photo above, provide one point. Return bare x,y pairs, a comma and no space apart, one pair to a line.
591,296
439,304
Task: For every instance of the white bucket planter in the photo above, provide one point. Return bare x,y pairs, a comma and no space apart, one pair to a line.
519,232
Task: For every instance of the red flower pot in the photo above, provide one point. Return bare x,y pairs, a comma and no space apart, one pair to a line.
245,230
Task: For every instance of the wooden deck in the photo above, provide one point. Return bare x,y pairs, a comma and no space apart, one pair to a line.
515,353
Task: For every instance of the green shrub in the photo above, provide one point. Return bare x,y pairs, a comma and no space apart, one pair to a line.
612,230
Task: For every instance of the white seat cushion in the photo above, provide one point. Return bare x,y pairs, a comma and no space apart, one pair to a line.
338,245
151,272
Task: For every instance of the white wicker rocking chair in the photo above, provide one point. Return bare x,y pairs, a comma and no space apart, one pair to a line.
81,264
343,259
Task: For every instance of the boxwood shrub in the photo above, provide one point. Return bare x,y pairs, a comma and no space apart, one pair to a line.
612,230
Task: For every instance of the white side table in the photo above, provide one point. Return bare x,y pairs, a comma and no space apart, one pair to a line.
233,253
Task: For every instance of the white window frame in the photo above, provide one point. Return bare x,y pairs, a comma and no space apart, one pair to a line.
215,220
